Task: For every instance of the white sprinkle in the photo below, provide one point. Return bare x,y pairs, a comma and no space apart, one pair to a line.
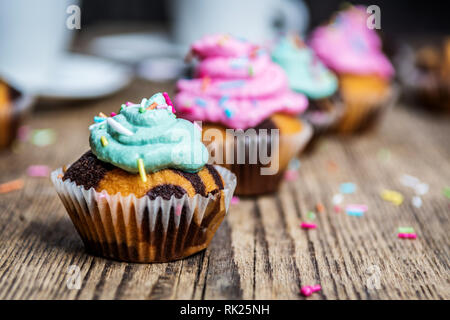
118,127
409,181
338,198
144,103
421,189
417,201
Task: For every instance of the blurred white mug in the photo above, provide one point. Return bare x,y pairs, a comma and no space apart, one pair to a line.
33,36
255,20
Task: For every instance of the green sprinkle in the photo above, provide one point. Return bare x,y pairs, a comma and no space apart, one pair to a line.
311,215
250,71
142,110
446,192
405,230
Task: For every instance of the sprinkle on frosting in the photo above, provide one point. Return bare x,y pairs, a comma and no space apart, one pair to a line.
156,137
241,72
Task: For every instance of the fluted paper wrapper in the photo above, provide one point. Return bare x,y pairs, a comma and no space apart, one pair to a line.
140,229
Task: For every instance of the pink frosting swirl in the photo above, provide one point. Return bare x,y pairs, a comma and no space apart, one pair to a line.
236,84
347,45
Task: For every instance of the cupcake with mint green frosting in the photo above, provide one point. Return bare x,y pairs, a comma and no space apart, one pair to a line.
309,76
145,192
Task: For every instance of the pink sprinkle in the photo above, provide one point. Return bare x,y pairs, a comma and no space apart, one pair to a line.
38,171
291,175
357,207
308,290
178,210
235,200
23,133
337,209
407,235
168,101
113,114
306,225
128,103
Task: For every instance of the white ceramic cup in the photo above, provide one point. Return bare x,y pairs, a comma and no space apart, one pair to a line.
255,20
33,36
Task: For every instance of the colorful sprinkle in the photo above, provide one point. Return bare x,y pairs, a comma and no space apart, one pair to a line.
206,81
168,101
392,196
113,114
152,106
11,186
409,181
320,208
99,119
118,127
23,133
228,113
38,171
101,114
405,230
416,201
235,200
250,71
356,210
337,209
141,168
446,192
310,215
294,164
178,210
200,102
104,141
338,198
290,175
407,235
347,188
128,103
308,225
142,109
421,189
232,84
309,290
223,100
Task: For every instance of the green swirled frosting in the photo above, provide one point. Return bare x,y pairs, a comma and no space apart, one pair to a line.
305,72
156,136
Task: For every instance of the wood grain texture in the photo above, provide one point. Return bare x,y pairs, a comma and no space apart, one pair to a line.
259,252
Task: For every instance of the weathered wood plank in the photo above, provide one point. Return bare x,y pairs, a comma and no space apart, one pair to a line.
259,252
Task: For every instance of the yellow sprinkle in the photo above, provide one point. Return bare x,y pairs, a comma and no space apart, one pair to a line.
141,168
392,196
101,114
104,141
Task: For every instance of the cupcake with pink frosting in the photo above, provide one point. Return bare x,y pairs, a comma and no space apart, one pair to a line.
238,91
354,52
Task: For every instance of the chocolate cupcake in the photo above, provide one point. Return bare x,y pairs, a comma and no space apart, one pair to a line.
354,52
245,105
144,192
13,108
308,75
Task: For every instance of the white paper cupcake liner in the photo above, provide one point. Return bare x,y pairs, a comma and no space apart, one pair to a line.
140,229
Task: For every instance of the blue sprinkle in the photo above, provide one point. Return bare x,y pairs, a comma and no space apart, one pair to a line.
347,188
200,102
99,119
355,213
228,113
222,100
232,84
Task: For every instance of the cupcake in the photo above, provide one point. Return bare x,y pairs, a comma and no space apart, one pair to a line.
429,76
353,51
237,90
308,75
144,192
13,107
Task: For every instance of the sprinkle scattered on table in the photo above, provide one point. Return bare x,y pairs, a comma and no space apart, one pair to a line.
309,290
356,210
337,208
392,196
405,230
310,215
332,166
446,192
347,188
235,200
416,201
290,175
23,133
43,137
320,208
11,186
38,171
407,235
338,198
308,225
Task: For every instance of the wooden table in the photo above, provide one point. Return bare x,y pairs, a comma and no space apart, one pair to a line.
259,252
